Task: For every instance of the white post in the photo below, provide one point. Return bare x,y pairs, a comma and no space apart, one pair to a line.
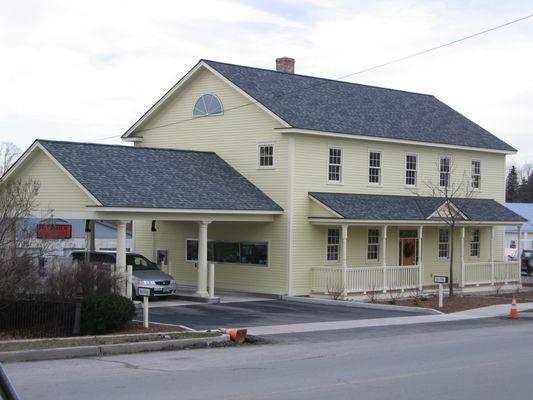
384,256
145,312
121,250
129,281
202,260
462,257
420,255
492,255
344,261
211,280
441,295
519,255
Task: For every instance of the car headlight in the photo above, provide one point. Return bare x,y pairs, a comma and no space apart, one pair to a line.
142,282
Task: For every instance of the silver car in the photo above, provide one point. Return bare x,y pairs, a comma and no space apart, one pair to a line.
145,275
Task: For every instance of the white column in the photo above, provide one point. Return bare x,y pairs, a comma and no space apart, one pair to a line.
344,261
420,255
121,252
519,254
202,259
211,280
384,255
462,257
492,255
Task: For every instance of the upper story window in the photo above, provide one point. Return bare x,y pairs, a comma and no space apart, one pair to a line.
207,104
411,164
444,171
374,167
475,179
334,164
265,156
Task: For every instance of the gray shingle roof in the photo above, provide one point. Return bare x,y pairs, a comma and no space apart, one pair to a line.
127,176
334,106
413,208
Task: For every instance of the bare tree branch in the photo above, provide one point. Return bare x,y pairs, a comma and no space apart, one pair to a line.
8,154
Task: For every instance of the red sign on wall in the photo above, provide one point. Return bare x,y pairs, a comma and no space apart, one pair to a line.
45,231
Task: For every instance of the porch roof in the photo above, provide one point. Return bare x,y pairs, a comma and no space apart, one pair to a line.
369,207
164,179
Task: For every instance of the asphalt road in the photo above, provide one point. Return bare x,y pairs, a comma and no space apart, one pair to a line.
481,359
261,313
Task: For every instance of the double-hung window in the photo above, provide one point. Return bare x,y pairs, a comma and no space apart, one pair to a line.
444,172
475,179
373,245
374,167
411,161
444,243
265,156
334,164
474,243
333,245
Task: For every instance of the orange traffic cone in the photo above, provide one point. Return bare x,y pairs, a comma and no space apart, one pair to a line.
514,311
235,335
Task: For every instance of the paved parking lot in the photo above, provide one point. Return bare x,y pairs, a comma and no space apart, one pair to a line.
246,314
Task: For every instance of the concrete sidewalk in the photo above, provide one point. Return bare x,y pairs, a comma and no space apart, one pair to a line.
483,312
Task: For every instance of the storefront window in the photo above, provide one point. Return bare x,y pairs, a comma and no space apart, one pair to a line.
254,253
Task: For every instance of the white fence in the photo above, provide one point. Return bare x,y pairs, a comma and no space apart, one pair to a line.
366,279
483,273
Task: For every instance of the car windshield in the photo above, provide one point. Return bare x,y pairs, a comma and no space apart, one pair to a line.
528,254
141,263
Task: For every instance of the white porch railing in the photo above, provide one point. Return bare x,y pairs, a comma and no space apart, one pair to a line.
482,273
365,279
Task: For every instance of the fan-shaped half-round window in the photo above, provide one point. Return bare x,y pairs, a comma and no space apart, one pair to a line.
207,104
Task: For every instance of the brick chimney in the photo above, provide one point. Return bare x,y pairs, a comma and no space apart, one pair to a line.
285,64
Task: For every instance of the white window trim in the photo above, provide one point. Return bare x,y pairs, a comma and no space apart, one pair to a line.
449,169
208,115
341,181
380,183
478,243
439,258
417,170
331,262
480,170
379,244
259,166
193,262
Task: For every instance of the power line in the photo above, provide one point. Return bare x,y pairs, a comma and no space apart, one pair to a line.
394,61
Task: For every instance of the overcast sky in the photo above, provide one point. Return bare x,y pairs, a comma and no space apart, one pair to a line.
86,70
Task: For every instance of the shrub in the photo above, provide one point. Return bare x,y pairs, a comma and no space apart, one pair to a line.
80,281
106,313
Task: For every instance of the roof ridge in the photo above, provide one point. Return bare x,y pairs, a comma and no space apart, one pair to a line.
124,146
317,77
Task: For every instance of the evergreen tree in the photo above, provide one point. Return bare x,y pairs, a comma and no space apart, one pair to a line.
512,186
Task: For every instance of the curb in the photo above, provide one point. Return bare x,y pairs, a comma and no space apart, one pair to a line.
110,349
359,304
